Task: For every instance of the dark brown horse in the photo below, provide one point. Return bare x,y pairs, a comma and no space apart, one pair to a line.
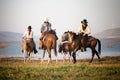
49,41
91,43
64,48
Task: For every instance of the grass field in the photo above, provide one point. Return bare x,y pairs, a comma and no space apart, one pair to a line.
107,69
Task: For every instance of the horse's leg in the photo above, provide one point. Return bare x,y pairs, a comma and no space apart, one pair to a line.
63,56
97,55
42,59
29,57
24,56
69,56
93,53
74,57
55,52
49,56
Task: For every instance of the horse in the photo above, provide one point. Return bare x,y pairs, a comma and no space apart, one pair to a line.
64,48
49,41
28,48
91,43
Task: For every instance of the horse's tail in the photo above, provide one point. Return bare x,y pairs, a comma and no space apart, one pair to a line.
99,46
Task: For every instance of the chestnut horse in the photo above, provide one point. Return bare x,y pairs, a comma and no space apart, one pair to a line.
28,47
49,42
91,43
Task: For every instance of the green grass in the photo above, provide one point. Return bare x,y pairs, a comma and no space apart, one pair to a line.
17,70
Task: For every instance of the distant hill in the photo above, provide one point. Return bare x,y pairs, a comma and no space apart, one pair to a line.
10,36
109,37
109,33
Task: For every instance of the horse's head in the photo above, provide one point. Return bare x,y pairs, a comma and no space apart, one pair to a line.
65,36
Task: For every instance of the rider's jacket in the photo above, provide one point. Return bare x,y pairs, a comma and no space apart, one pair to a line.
86,31
46,26
28,34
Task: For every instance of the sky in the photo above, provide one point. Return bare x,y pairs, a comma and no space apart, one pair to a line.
17,15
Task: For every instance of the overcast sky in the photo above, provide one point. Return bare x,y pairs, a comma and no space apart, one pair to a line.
16,15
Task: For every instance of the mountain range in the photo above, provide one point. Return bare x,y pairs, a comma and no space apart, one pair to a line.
108,37
10,36
109,33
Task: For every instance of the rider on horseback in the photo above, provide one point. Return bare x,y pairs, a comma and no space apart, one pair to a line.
46,26
28,35
84,30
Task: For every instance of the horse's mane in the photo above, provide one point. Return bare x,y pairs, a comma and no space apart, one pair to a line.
74,35
66,32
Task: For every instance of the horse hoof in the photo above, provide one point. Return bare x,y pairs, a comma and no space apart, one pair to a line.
90,61
74,62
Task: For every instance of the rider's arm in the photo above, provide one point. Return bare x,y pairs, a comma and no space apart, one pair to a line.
42,28
80,30
87,31
24,35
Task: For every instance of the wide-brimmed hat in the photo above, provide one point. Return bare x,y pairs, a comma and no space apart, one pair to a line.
29,27
46,19
84,21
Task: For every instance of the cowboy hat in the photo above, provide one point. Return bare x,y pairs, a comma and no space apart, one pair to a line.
84,21
46,20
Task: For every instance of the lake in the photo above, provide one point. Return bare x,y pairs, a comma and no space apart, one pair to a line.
14,50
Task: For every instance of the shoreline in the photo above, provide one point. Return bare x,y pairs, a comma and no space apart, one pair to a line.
82,60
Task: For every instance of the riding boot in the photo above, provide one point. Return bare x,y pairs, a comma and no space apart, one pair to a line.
83,48
56,37
35,51
22,51
42,45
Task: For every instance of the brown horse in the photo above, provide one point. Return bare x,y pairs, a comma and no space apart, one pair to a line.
28,47
49,41
91,43
64,48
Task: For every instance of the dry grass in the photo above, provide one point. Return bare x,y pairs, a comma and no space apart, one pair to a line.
107,69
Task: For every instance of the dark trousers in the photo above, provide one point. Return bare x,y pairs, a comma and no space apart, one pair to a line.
84,41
